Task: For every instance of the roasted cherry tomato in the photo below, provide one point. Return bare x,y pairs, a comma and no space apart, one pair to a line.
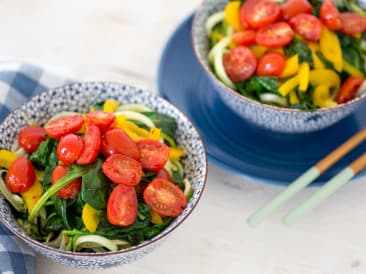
30,137
70,148
101,119
61,126
307,25
122,206
274,35
349,89
352,23
246,9
20,176
117,141
329,15
122,169
153,154
244,37
239,63
165,198
294,7
271,64
69,191
163,174
263,13
92,141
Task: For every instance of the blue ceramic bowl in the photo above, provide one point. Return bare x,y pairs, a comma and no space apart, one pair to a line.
79,97
266,116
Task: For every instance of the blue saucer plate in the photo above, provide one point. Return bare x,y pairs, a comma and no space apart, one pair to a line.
235,144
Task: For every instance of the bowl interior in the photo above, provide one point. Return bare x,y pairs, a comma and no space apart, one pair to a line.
79,97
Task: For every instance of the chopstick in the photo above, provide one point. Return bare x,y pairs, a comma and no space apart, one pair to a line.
306,178
326,190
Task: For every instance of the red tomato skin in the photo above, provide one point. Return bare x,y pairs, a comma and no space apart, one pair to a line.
329,15
239,64
116,141
101,119
163,174
69,191
244,38
263,13
164,197
122,206
30,137
292,8
122,169
246,9
70,148
307,25
20,176
349,89
64,125
92,141
153,154
274,35
352,23
271,64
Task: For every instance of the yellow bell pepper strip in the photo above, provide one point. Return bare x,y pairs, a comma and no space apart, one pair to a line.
258,50
90,217
291,66
110,106
351,70
155,133
314,47
289,85
304,71
231,15
6,158
294,100
324,77
321,97
331,49
32,195
135,132
176,153
155,218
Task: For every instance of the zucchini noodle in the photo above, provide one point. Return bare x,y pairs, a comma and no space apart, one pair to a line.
213,20
271,98
133,107
133,115
15,200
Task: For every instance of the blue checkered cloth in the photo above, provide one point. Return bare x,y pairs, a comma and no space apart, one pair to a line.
18,82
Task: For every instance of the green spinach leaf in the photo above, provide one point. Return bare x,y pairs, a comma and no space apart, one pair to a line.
52,164
299,47
41,156
166,123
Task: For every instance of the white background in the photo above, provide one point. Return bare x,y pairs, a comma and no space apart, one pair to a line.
122,41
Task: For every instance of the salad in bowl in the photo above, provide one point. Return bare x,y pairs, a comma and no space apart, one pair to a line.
299,54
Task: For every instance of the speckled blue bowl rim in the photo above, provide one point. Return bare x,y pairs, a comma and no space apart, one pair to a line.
132,248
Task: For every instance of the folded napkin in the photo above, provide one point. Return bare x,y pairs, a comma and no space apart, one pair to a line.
18,82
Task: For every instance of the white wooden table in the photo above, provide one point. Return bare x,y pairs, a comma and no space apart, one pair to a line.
122,41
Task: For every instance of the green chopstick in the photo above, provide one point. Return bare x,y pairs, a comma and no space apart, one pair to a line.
306,178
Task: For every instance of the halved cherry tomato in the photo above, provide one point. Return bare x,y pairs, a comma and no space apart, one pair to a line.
349,89
69,191
245,9
239,63
294,7
70,148
352,23
30,137
122,169
92,141
329,15
122,206
21,175
244,37
117,141
271,64
165,198
64,125
274,35
263,13
101,119
307,25
163,174
153,154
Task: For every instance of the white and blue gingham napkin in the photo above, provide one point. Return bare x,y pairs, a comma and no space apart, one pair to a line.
18,82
